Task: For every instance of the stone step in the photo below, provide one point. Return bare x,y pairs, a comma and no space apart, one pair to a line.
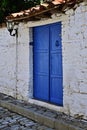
46,117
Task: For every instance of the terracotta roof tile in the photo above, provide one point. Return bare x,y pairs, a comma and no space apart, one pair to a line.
42,10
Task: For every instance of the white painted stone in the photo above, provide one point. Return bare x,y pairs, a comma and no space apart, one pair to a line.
14,63
78,10
83,86
70,12
78,104
23,64
7,63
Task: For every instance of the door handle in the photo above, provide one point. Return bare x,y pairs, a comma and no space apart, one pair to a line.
57,43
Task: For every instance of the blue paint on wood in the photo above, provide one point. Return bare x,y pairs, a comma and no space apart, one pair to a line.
48,63
41,63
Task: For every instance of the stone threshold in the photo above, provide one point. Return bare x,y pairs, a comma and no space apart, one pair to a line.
47,117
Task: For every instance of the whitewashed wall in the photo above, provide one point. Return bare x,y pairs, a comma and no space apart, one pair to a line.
7,63
74,41
16,62
23,63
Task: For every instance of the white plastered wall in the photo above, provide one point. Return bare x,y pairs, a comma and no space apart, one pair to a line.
14,63
74,40
7,63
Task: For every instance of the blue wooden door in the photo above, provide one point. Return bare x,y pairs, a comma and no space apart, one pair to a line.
56,94
41,63
48,63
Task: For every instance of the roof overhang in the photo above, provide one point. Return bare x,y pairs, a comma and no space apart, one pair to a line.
44,10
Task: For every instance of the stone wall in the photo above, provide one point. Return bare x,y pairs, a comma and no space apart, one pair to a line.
14,63
23,75
7,63
74,41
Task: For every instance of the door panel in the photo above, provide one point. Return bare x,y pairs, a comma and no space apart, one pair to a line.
55,37
48,63
41,63
56,90
41,87
55,64
41,38
41,59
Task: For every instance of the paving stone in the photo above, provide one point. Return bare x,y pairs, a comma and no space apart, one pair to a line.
16,116
25,120
22,127
29,124
8,119
5,123
27,129
22,119
1,120
15,127
22,123
41,128
12,121
7,128
3,126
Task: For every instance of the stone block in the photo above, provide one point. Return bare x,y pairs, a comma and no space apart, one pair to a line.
74,128
50,122
38,117
60,125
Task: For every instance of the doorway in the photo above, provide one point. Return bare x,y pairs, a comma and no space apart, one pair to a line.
47,70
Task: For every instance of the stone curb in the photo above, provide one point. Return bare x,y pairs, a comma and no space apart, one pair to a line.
40,118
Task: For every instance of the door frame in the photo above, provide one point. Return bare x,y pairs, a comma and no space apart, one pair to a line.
30,26
38,98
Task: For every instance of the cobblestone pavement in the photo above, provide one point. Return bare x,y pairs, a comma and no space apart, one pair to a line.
13,121
50,118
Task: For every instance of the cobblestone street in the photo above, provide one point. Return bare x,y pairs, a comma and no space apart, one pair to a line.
19,115
13,121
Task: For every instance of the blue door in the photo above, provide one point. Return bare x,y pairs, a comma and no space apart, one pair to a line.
48,64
